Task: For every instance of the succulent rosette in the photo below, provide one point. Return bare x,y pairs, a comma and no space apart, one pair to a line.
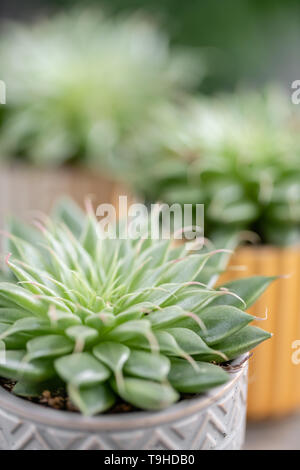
81,83
236,153
117,319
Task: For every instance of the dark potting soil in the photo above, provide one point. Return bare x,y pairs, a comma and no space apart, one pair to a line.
59,400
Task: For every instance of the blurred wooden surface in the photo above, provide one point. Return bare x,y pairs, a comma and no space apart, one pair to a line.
25,189
276,434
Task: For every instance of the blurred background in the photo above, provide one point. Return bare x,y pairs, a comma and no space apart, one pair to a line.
175,101
250,41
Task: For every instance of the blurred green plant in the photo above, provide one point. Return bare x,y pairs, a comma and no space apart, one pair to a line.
244,41
238,154
107,318
80,83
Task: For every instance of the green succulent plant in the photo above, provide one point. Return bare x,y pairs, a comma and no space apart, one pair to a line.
80,83
107,318
238,154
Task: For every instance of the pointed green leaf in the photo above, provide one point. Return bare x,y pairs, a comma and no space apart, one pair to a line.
101,321
249,289
113,355
62,320
70,214
166,344
217,264
152,296
147,365
185,379
90,236
81,369
128,315
92,400
22,230
27,388
151,258
82,335
192,300
166,317
129,330
48,346
189,341
21,297
26,251
32,325
239,343
16,341
15,367
156,254
176,252
147,395
186,269
162,294
11,315
222,321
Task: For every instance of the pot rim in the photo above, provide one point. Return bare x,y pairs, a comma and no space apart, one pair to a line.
63,419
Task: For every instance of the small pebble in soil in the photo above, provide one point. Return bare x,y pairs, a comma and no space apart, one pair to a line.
59,400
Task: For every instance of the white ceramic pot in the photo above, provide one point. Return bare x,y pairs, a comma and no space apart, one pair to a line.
215,420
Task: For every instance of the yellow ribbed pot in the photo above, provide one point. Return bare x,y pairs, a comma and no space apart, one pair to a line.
274,380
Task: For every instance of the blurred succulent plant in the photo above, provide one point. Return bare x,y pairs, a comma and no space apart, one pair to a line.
112,317
79,83
238,154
